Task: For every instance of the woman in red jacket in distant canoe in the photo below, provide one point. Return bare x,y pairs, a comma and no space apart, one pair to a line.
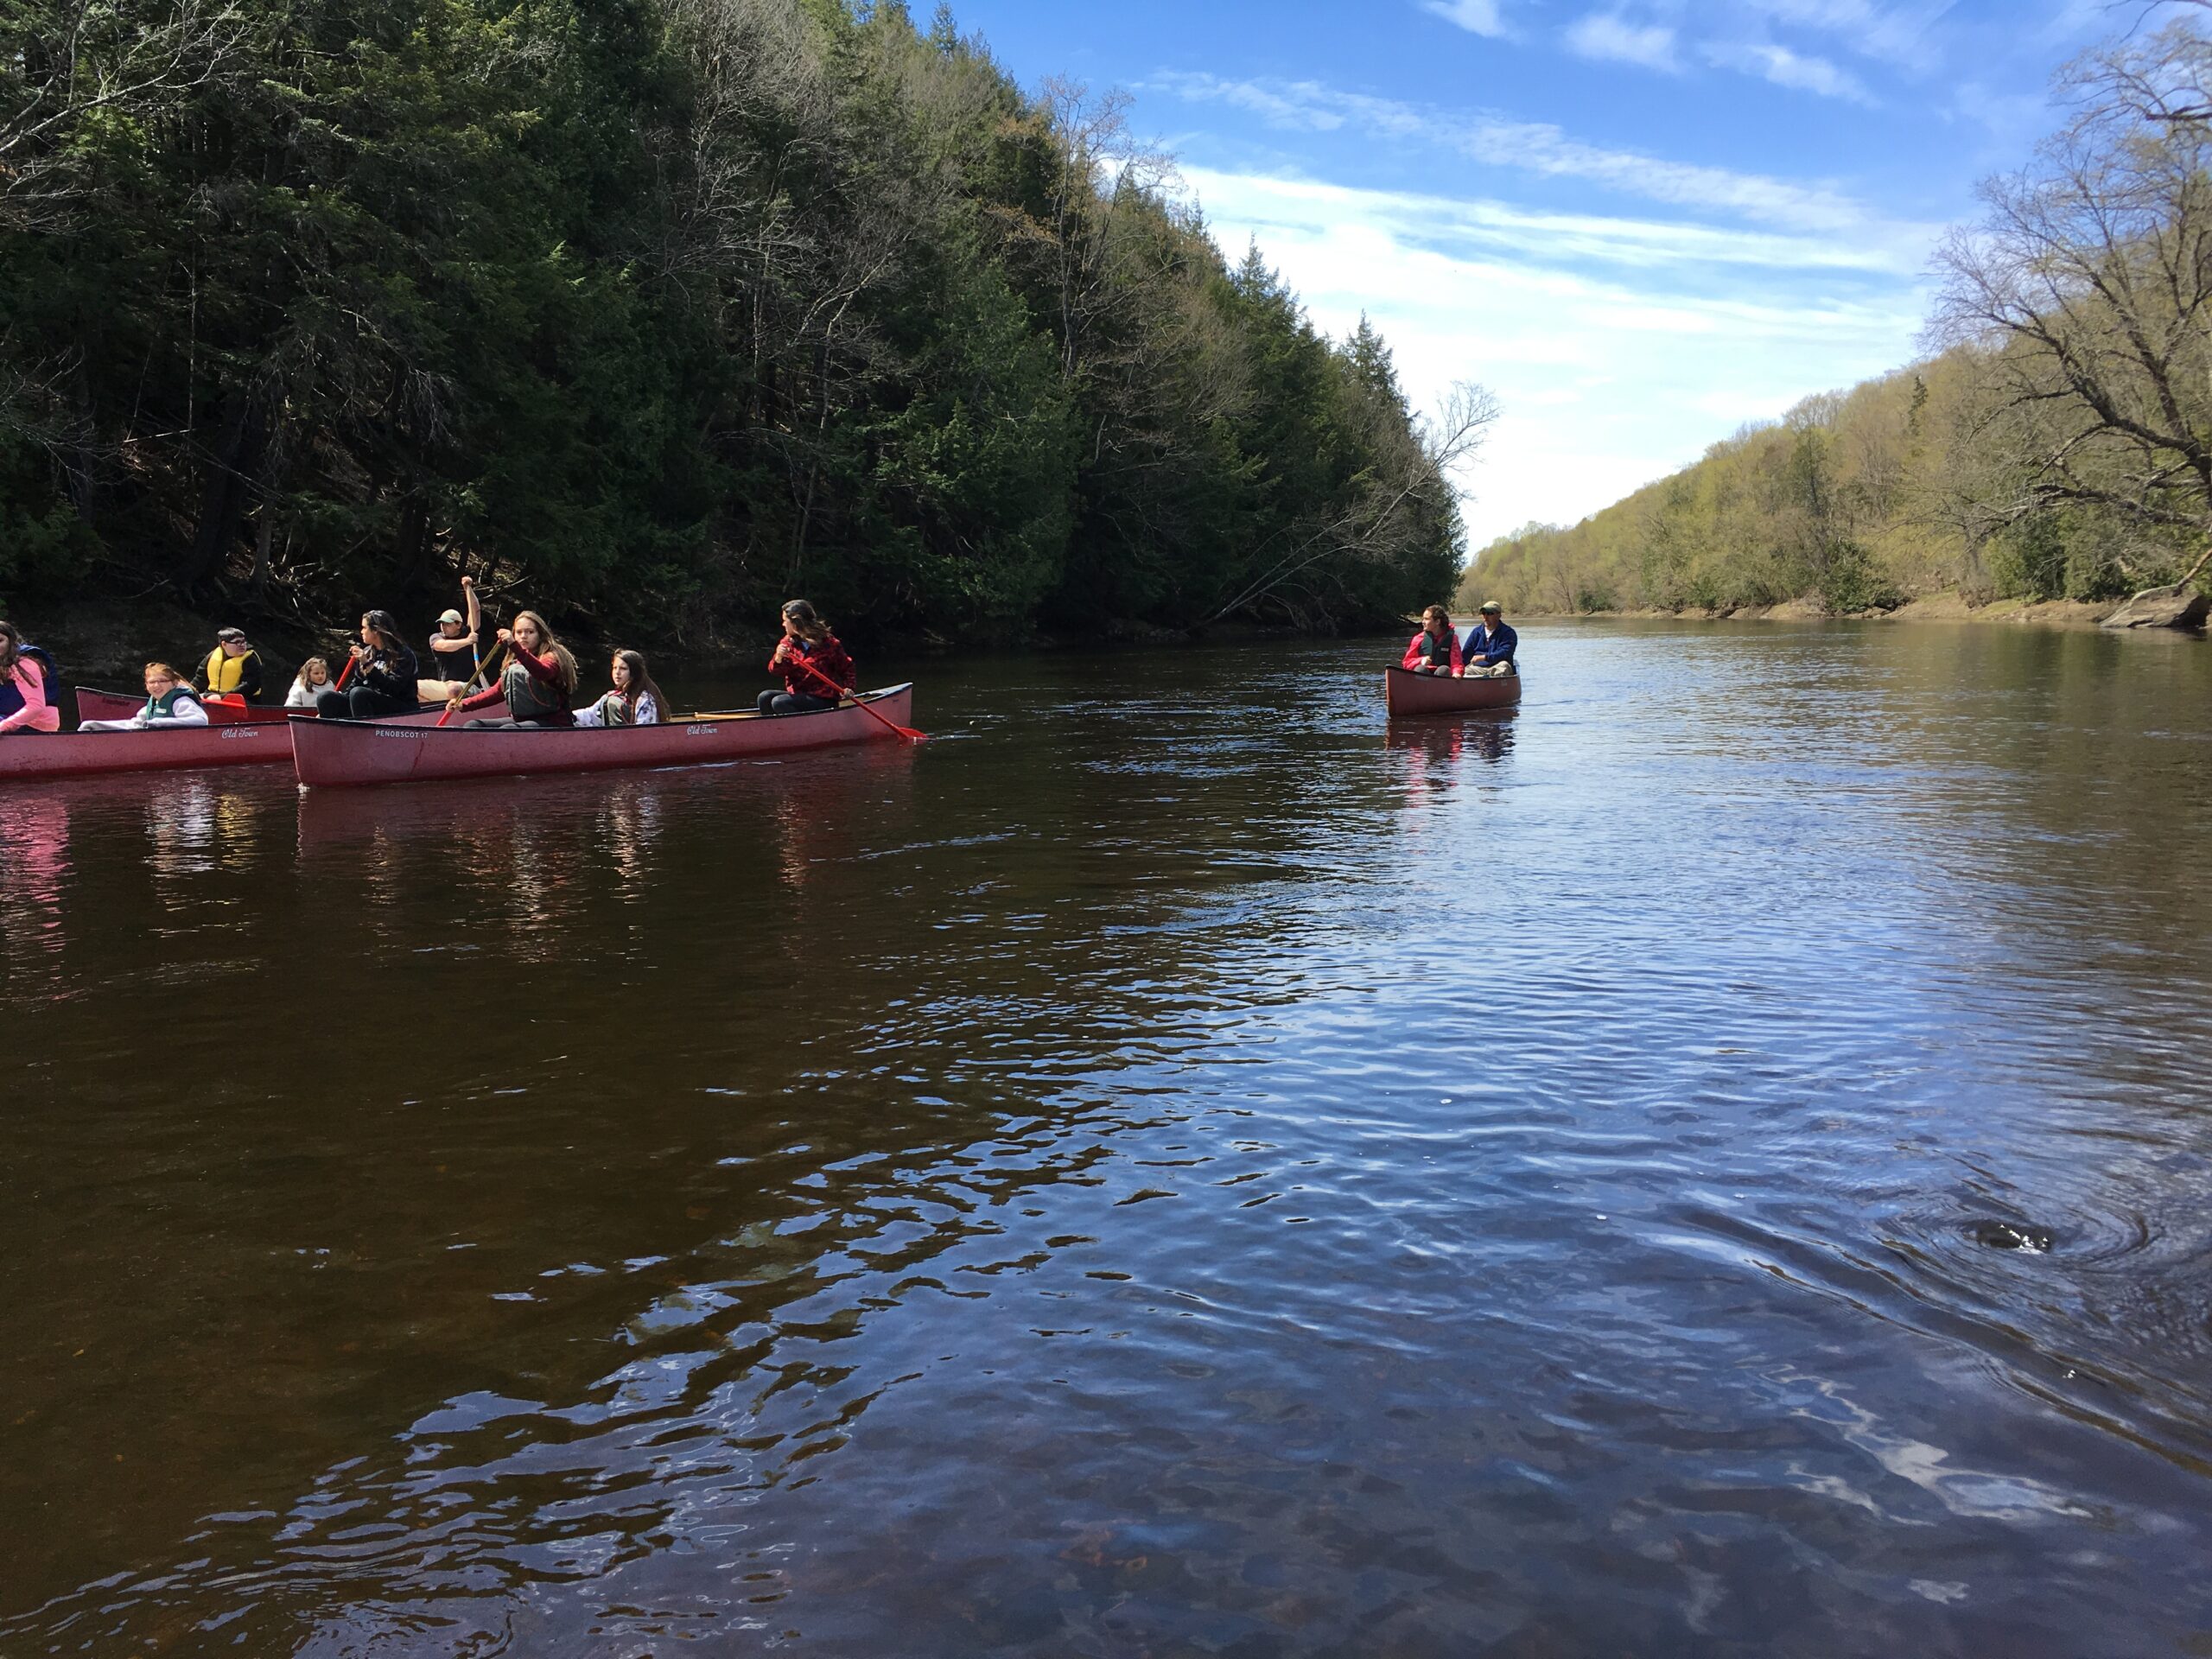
1435,649
814,665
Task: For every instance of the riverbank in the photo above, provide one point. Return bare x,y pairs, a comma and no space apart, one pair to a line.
1929,607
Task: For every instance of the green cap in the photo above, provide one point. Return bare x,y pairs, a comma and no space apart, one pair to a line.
1492,605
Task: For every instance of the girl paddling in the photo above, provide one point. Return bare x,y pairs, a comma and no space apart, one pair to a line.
814,665
539,685
635,699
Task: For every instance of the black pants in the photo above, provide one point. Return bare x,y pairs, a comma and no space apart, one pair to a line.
793,703
507,722
360,703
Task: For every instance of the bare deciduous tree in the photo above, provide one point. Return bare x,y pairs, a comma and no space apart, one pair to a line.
2086,296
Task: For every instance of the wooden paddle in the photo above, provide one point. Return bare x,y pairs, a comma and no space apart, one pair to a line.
482,669
906,732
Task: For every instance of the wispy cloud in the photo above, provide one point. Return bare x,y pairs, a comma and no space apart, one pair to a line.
1619,346
1786,69
1536,147
1608,35
1486,17
1896,33
1482,227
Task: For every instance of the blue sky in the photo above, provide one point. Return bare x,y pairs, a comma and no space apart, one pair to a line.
1641,222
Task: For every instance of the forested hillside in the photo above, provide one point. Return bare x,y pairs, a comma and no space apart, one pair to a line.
2058,444
652,313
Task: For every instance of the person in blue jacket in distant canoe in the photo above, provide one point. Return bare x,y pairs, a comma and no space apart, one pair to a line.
1491,645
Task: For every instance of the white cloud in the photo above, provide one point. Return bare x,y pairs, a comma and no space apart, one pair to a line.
1897,33
1618,347
1608,35
1786,69
1485,17
1538,148
1468,225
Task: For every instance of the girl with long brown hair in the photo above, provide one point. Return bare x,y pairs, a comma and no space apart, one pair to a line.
816,670
382,676
635,699
539,684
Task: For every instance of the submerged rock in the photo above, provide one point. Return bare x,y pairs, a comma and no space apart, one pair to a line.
2179,606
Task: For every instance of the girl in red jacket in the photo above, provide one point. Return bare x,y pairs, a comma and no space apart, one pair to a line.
1435,649
814,665
539,685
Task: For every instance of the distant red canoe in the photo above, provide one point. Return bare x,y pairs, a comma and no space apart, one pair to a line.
344,753
1405,692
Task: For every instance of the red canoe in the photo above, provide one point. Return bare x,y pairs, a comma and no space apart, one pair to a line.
1405,692
330,753
25,758
118,705
231,741
121,705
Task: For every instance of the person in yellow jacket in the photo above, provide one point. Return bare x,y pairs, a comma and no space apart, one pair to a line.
233,669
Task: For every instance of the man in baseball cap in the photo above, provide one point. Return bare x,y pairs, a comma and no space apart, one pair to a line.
1491,645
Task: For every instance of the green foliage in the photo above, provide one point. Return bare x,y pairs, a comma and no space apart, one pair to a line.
1851,581
650,313
1856,500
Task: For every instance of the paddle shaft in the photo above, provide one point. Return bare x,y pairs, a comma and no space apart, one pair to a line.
483,670
906,732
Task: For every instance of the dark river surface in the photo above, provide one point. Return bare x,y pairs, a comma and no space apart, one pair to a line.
1717,1162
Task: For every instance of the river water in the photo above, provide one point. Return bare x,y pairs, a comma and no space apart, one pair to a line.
1714,1162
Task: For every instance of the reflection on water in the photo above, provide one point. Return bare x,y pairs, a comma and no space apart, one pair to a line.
1710,1161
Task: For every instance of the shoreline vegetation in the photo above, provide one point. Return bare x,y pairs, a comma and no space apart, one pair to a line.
2052,456
650,315
1926,608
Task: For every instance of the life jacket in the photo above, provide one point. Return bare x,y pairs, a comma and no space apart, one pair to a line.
12,700
529,698
164,706
1438,652
224,671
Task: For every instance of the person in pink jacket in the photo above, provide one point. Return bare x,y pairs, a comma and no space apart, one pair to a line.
23,676
1435,649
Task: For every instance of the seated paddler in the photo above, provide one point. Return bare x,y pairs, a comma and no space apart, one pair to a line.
539,684
1491,645
1435,649
816,671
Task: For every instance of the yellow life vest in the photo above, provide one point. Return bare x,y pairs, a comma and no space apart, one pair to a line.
224,671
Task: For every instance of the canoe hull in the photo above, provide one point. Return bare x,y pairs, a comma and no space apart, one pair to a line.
1406,693
83,754
93,704
346,754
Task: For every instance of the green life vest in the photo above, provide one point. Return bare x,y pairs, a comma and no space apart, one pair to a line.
164,706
